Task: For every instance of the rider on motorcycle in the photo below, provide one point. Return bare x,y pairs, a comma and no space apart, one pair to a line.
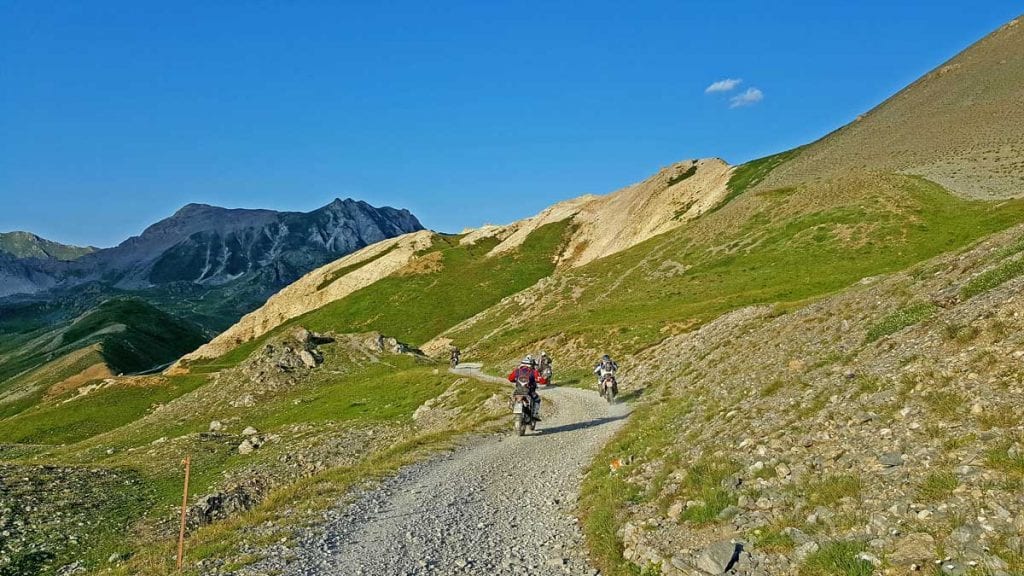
455,356
604,367
526,375
544,367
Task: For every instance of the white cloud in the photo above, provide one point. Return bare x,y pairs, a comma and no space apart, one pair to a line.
723,85
749,98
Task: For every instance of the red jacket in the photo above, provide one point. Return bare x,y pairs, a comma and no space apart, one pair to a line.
534,377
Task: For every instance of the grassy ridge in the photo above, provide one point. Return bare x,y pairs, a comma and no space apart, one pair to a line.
127,335
770,247
414,307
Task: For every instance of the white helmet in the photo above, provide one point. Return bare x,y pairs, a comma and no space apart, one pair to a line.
528,360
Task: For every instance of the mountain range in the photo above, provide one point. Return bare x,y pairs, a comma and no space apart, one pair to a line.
823,348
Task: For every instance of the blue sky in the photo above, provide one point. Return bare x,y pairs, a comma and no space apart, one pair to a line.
114,114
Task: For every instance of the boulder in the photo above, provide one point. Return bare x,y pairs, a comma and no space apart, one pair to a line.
914,548
718,557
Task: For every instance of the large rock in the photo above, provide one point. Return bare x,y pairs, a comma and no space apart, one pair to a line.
719,557
915,548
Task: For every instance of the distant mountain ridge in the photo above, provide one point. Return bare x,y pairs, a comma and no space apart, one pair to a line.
21,244
214,246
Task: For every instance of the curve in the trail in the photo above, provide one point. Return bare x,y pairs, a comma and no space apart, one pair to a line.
497,505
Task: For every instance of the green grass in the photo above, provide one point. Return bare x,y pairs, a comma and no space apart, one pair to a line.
828,491
703,483
95,413
752,173
937,486
999,458
945,403
992,278
606,495
899,320
757,250
417,307
837,559
381,395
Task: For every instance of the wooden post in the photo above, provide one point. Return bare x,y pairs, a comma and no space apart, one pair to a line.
184,509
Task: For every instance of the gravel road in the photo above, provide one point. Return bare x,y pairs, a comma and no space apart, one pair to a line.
499,504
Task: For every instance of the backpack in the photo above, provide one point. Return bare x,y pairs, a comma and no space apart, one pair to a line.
524,375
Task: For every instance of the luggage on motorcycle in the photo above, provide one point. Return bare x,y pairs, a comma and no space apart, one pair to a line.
524,375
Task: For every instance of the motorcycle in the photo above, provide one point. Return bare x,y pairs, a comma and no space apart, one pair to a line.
609,387
545,376
455,360
522,411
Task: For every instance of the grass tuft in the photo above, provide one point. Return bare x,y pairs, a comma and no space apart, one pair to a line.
899,320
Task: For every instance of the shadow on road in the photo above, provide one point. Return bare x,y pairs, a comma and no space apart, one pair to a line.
580,425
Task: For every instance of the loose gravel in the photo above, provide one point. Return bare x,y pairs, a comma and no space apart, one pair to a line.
498,505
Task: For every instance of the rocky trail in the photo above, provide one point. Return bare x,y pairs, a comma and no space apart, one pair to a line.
498,504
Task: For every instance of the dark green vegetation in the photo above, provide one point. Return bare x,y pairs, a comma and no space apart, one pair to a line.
992,278
606,492
149,337
682,176
124,335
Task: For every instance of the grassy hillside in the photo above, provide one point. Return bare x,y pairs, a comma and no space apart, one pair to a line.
319,428
777,246
121,336
451,282
890,410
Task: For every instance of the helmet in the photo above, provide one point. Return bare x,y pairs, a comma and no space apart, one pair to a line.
606,357
528,360
543,353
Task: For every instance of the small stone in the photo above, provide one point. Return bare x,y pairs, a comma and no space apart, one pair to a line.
804,550
869,558
250,431
891,459
246,447
216,426
977,409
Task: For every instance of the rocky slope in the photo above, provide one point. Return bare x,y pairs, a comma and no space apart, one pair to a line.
879,429
958,126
